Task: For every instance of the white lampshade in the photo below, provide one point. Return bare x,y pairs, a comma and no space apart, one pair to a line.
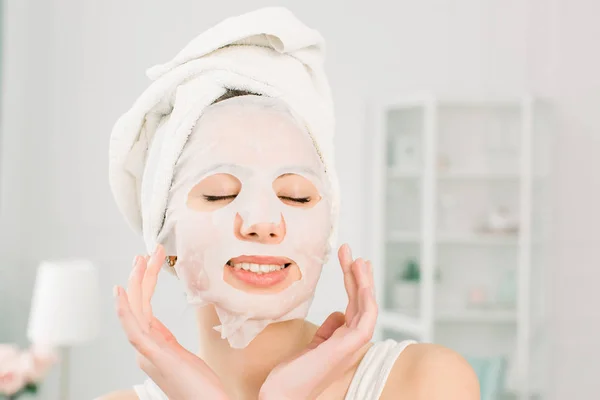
65,304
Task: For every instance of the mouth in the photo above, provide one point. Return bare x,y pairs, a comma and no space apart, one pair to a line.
259,264
259,271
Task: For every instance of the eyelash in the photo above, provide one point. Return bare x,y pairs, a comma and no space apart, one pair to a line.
219,198
301,200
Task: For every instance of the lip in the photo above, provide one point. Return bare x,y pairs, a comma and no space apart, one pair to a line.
265,279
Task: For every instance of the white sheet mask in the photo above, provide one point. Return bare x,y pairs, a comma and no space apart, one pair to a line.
256,140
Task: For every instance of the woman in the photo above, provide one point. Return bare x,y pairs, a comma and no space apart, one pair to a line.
225,164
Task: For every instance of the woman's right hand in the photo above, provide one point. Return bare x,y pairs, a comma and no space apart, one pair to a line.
180,374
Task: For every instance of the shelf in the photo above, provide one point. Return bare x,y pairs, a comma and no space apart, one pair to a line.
400,323
462,239
490,316
476,155
401,320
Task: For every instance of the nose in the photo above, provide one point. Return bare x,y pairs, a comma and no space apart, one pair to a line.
263,232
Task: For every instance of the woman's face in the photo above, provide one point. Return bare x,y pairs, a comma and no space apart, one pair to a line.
252,273
259,195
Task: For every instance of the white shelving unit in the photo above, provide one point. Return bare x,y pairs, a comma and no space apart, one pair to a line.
439,165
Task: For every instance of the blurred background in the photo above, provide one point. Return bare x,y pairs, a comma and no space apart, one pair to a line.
468,136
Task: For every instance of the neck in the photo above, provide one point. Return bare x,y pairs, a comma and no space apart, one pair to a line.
243,371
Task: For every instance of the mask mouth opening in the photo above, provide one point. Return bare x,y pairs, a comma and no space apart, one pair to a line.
259,264
261,274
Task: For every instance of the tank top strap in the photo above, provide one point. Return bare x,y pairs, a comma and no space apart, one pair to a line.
149,391
373,371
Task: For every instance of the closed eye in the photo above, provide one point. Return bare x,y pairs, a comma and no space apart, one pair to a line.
208,197
301,200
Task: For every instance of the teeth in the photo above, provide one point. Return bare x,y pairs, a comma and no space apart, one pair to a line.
258,268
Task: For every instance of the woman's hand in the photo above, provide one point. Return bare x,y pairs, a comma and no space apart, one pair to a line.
336,344
180,374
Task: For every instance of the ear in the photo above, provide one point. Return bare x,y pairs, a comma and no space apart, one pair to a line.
169,244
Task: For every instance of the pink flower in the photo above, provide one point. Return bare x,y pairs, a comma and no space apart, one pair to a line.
20,368
12,371
37,362
7,352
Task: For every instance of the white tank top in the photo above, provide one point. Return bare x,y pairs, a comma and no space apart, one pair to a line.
367,384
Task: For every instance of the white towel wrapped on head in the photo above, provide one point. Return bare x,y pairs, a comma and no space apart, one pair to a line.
267,52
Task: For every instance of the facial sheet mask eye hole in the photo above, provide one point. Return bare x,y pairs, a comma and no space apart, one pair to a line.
213,192
296,191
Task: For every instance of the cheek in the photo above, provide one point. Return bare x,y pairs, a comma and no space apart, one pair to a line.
197,232
310,228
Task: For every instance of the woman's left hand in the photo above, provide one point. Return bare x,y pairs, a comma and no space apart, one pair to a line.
336,344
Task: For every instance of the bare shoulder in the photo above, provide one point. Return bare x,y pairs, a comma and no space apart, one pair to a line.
120,395
431,372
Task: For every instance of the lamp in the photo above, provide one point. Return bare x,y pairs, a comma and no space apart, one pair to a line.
64,309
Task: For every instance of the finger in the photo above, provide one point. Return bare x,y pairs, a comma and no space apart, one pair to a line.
360,272
346,262
367,305
150,279
367,317
134,289
341,346
326,330
371,278
345,257
136,336
359,276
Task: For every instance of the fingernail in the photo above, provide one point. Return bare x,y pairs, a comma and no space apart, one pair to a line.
348,251
115,291
135,260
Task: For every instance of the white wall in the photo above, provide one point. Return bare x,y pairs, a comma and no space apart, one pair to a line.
573,82
77,65
24,130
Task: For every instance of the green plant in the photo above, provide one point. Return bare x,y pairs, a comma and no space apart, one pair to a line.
411,271
29,388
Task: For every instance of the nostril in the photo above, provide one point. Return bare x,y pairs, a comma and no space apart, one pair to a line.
272,235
